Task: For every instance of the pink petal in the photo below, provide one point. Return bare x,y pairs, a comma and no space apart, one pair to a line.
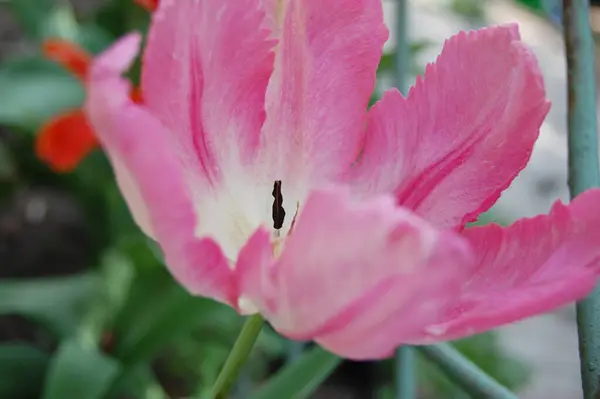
530,267
464,132
152,177
205,74
273,10
324,73
359,278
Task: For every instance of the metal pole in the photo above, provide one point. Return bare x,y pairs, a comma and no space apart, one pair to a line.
583,167
404,375
466,374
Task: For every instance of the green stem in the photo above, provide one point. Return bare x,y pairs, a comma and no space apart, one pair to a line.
237,357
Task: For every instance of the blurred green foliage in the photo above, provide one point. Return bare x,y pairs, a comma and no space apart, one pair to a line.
120,327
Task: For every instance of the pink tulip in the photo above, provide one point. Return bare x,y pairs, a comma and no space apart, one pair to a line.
253,108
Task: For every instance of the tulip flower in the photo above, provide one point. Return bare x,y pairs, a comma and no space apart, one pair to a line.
256,165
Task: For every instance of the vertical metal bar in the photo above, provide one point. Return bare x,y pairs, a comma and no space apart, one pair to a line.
466,374
402,47
583,167
404,375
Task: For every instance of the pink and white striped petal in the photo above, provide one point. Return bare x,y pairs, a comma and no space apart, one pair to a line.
464,132
530,267
152,177
317,98
205,73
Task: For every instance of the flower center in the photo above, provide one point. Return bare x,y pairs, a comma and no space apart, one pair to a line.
230,215
245,305
278,211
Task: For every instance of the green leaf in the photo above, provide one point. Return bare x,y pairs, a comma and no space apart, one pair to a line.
33,90
94,38
388,60
470,9
491,216
116,273
31,14
138,382
119,17
79,372
159,312
62,23
22,368
159,316
7,163
42,18
301,378
57,303
536,5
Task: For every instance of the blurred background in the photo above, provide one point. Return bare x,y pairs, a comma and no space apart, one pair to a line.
87,310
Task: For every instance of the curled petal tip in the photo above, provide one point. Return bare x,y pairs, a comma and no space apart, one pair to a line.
118,58
532,266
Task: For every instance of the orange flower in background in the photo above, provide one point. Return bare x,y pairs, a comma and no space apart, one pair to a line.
65,140
75,59
149,5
